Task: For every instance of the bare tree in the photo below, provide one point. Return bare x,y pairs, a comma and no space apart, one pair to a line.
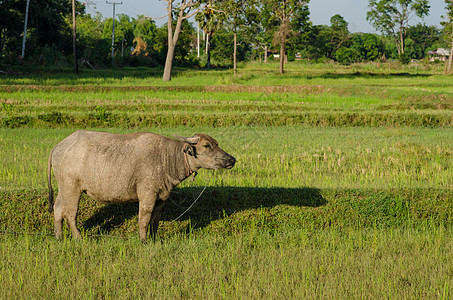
185,10
283,12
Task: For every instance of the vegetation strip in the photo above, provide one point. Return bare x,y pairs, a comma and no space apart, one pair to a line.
234,209
107,119
294,263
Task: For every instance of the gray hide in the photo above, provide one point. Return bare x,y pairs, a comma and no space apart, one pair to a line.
115,168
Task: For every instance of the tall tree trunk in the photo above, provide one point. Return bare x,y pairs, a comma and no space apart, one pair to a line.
282,56
265,54
172,40
235,52
168,63
170,47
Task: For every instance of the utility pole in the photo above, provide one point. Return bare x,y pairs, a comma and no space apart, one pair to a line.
74,40
25,28
113,28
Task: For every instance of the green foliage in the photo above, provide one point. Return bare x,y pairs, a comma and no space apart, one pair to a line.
346,56
146,30
323,41
404,59
12,119
420,39
183,46
368,46
10,12
222,48
92,46
49,39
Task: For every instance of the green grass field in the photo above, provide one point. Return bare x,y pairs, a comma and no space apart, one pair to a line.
343,186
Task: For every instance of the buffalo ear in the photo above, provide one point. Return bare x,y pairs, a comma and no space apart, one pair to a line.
189,150
191,140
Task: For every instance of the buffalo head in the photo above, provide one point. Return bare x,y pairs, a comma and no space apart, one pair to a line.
204,152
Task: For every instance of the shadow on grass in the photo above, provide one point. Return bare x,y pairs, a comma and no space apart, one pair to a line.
117,72
212,205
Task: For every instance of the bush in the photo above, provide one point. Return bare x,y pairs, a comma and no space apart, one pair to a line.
347,56
404,59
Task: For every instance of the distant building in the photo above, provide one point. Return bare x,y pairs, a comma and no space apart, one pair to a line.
440,54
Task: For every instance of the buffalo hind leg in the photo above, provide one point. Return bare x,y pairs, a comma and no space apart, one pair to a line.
58,217
155,217
66,207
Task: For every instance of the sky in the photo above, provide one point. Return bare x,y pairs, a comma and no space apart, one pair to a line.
353,11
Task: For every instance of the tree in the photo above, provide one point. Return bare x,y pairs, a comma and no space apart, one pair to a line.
145,32
449,29
333,37
391,17
315,43
287,14
339,32
145,29
125,30
368,46
183,11
346,56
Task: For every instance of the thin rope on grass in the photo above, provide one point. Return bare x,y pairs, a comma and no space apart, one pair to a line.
193,203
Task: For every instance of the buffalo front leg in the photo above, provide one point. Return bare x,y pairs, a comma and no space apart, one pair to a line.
155,217
145,210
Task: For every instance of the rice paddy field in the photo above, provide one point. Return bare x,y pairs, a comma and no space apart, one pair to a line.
343,187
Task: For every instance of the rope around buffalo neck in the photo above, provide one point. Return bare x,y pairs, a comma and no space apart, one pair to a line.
195,201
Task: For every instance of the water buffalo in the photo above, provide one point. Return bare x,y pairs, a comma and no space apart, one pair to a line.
114,168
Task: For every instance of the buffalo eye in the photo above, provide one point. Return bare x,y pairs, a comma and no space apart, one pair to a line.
207,146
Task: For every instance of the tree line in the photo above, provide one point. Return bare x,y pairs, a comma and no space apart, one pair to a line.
229,30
